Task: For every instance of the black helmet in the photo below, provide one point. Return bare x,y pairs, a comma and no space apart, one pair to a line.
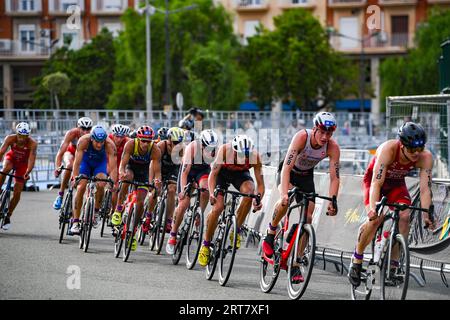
412,135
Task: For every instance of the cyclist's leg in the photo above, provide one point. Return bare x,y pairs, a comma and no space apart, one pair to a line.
68,159
171,194
7,167
204,195
212,219
81,189
140,198
117,215
244,186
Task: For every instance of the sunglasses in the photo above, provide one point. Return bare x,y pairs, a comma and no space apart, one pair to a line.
85,129
414,150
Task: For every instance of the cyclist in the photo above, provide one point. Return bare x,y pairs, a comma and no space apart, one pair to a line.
66,153
231,166
95,153
139,158
308,147
119,135
385,176
163,133
21,158
195,166
171,150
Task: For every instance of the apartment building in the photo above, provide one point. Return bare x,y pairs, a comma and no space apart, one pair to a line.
347,19
30,30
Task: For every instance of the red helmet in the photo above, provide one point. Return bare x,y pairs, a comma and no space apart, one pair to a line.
145,133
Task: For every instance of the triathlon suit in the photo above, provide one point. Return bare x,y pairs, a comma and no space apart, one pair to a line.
19,158
234,173
199,171
302,174
139,163
119,149
94,161
73,145
394,186
169,170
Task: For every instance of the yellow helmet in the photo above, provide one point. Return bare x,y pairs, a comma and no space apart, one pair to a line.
176,135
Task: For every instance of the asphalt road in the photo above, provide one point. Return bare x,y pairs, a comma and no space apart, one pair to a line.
35,266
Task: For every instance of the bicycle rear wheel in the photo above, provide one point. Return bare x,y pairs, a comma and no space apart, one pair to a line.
4,204
64,216
216,244
304,261
269,269
88,224
194,240
129,234
228,250
118,240
394,279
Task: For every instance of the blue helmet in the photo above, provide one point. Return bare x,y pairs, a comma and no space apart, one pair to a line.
98,133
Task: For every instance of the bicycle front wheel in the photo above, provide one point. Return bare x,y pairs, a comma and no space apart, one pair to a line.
88,224
105,209
161,226
301,263
64,216
269,268
129,234
194,240
394,276
228,250
5,199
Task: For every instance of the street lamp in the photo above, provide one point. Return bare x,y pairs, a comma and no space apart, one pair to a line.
362,71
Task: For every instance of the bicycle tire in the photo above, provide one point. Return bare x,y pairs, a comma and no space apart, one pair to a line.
82,226
88,225
403,265
231,225
161,226
216,244
65,211
129,233
294,293
191,257
105,209
267,286
152,231
4,206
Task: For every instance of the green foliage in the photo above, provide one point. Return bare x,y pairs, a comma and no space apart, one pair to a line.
296,62
90,71
417,72
58,83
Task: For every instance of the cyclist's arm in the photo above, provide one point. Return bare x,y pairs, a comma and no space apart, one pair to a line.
5,146
127,150
155,165
215,169
334,153
186,165
384,158
297,144
257,169
82,146
63,148
111,153
426,166
32,158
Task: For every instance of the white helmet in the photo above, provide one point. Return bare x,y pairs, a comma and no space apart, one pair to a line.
325,121
209,138
120,130
84,122
242,144
23,129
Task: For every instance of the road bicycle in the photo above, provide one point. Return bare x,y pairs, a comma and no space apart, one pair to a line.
66,211
105,210
5,197
288,254
394,273
223,246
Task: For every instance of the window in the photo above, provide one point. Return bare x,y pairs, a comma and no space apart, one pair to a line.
113,5
349,27
27,37
114,28
399,25
67,3
27,5
250,29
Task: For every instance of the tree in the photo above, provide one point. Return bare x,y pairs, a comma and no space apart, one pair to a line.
57,83
90,70
296,62
192,37
417,72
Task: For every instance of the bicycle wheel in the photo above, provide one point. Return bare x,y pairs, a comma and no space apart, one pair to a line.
364,290
83,225
161,227
104,210
140,234
194,240
64,216
88,224
228,250
216,244
303,263
118,240
129,234
394,281
269,269
5,199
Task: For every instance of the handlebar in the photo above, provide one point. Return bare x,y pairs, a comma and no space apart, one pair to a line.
312,196
257,197
188,187
61,168
11,175
138,184
93,179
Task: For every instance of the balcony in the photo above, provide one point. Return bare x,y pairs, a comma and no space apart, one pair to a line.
383,43
23,8
292,4
59,7
346,3
252,5
108,7
18,50
387,3
438,1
